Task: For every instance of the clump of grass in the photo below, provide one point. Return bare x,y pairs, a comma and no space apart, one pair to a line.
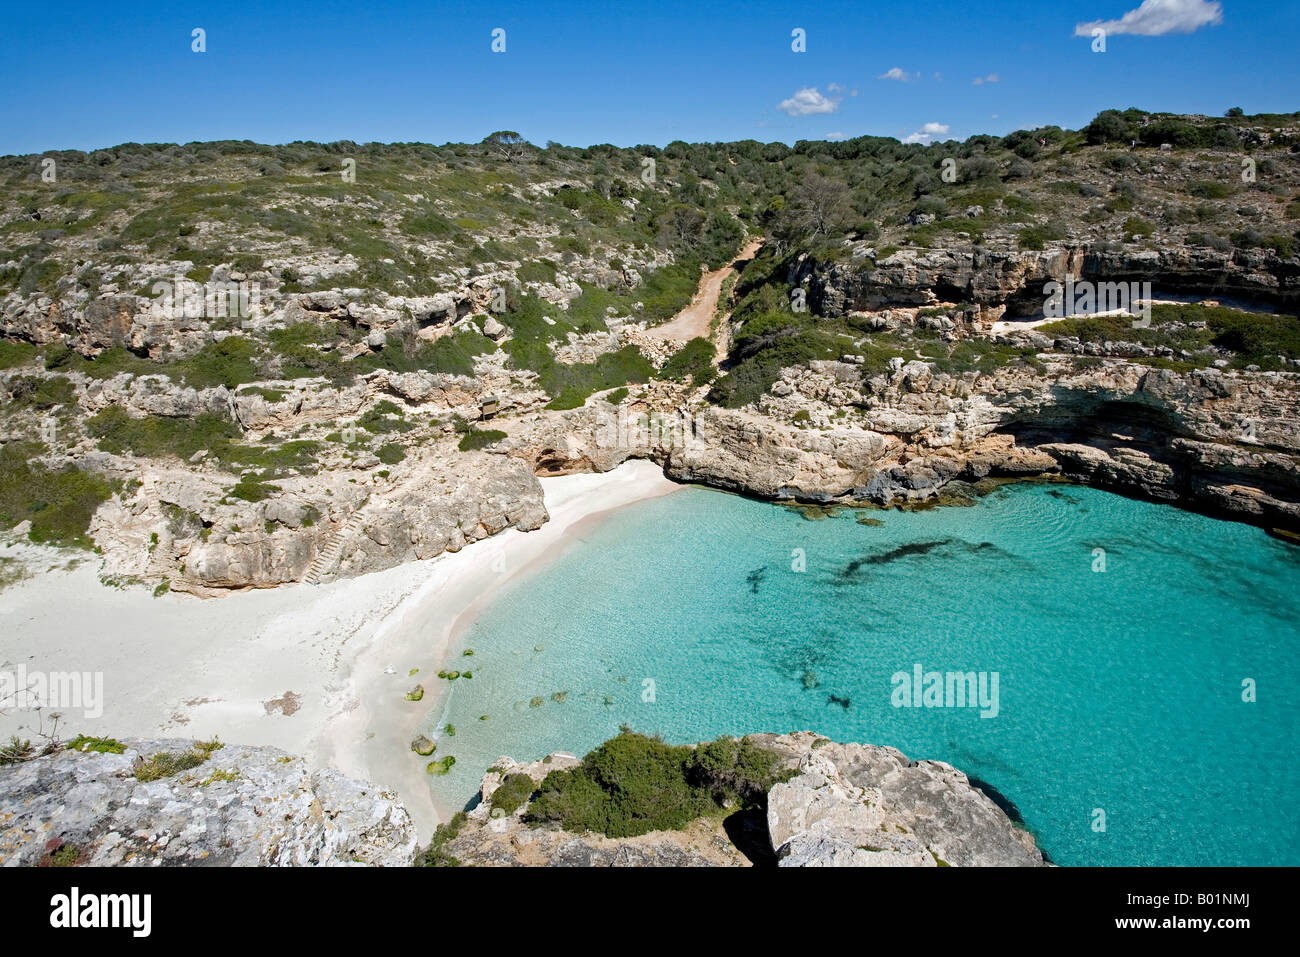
165,764
475,439
220,774
100,745
16,751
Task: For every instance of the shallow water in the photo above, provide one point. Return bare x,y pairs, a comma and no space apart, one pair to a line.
1118,691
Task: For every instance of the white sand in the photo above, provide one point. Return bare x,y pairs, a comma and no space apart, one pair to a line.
186,667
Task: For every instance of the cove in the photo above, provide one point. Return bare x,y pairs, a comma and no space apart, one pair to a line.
1121,682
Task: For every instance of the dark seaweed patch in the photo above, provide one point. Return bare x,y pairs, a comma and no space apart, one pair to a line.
893,555
755,578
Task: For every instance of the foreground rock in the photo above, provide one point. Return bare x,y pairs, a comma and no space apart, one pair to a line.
857,805
242,806
844,805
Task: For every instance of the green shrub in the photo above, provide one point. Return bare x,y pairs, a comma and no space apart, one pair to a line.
252,489
480,439
231,362
15,353
1036,237
692,361
512,792
633,784
1137,226
157,436
435,855
1251,338
390,453
100,745
41,393
58,502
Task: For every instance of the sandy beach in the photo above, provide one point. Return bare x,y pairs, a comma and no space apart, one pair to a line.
321,671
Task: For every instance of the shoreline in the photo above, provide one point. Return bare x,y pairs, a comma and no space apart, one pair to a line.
297,667
371,740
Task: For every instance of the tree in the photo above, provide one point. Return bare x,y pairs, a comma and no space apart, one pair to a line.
1235,111
817,207
507,143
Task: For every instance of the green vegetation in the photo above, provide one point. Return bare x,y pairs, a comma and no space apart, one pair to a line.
473,439
1244,338
99,745
435,854
16,751
251,488
58,502
14,353
512,792
693,361
633,784
165,764
41,393
390,453
157,436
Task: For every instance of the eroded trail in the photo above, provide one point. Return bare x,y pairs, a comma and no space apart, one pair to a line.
694,321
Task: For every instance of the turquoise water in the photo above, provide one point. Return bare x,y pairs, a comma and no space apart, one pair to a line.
1118,690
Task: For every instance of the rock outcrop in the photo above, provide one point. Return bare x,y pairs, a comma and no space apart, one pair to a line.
239,806
841,805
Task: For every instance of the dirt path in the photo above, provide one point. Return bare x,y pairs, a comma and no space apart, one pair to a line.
694,321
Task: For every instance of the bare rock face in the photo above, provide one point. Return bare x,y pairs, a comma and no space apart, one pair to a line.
857,805
993,278
241,806
185,528
853,805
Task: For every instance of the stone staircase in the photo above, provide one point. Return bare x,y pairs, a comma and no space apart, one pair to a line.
328,556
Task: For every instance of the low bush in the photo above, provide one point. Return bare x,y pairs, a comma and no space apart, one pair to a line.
633,784
58,502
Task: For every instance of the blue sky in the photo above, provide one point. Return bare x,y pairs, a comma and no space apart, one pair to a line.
98,74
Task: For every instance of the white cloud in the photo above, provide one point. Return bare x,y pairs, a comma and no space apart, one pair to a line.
1157,18
926,133
991,78
836,136
899,74
833,88
808,101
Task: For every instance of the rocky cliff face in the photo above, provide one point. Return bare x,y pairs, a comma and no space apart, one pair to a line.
1221,441
238,806
999,280
843,805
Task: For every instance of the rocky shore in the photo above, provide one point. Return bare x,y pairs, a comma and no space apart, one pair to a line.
145,803
842,805
181,802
